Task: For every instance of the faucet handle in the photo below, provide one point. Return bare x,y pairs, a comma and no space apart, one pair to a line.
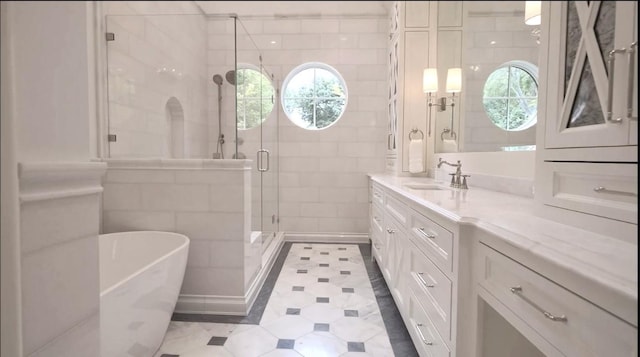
453,179
464,182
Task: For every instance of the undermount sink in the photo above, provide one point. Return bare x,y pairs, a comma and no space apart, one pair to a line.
425,186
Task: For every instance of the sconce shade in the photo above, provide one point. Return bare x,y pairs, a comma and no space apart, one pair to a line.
454,80
430,80
532,11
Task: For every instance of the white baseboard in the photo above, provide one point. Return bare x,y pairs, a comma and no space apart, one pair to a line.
232,305
327,237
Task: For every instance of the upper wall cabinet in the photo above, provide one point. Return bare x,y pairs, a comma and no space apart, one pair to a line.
592,85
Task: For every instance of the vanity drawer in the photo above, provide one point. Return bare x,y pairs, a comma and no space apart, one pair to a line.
433,288
573,325
377,194
434,241
606,190
425,336
396,208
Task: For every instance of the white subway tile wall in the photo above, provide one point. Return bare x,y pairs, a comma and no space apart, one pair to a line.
157,55
208,205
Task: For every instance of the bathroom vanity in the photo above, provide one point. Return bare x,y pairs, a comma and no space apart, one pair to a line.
465,265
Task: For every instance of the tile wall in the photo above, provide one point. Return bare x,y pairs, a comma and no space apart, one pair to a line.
206,200
159,53
322,174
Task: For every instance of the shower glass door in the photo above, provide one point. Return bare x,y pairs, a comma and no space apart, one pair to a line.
257,132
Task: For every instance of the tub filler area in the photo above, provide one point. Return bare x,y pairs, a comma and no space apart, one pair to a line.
140,278
208,201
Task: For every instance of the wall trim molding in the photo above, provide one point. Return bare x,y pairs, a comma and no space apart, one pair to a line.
326,237
41,181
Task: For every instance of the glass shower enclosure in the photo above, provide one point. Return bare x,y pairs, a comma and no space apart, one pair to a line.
194,87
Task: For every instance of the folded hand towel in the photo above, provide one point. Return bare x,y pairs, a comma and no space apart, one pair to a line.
449,145
416,159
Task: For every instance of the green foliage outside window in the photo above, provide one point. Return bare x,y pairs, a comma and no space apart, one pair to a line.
510,98
314,98
255,98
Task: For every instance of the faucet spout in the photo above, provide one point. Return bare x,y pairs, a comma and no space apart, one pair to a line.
455,180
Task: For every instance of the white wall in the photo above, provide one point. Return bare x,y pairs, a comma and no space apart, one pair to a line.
55,202
153,59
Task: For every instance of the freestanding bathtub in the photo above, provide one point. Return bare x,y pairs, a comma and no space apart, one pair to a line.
140,278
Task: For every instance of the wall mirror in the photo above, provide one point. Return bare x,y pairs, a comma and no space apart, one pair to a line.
496,109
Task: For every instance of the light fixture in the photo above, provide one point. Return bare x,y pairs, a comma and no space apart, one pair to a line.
453,86
532,12
429,86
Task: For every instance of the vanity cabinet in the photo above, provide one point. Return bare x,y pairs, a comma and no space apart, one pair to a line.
559,322
587,154
415,254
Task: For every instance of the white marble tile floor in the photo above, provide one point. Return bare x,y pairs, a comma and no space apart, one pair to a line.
322,304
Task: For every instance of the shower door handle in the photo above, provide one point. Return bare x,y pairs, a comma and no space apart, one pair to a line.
259,160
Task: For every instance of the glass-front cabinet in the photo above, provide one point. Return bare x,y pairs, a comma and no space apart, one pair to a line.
592,79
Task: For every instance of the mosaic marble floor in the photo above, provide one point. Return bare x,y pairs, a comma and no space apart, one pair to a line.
322,304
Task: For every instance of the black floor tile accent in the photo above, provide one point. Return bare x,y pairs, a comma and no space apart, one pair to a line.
324,253
297,288
320,327
324,265
347,290
168,355
285,344
355,346
343,259
398,335
307,248
322,299
302,271
305,258
345,272
323,280
293,311
342,248
217,341
351,313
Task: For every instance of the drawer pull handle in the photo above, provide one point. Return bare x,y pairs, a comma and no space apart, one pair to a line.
428,343
604,189
390,231
518,291
424,282
428,235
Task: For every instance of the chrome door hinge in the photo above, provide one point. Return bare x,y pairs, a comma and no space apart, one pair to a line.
111,138
111,36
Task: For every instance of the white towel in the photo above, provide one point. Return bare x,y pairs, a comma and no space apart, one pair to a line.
449,145
416,158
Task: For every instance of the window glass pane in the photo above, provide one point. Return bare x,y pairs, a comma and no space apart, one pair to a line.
255,98
497,83
511,96
315,96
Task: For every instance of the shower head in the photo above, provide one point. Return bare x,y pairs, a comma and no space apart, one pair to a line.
217,79
231,77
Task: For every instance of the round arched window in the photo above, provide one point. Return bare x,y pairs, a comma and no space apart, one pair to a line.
255,97
314,96
510,96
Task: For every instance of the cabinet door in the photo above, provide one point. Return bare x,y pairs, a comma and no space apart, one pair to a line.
580,36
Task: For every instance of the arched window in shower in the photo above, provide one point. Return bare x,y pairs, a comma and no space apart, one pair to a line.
175,129
255,99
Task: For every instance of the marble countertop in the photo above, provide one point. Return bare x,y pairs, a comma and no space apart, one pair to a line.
605,267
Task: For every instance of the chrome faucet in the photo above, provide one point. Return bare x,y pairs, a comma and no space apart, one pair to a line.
455,177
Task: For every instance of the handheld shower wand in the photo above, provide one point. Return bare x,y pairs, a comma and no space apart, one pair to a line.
219,154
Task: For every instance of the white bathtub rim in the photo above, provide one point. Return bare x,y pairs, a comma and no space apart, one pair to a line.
146,267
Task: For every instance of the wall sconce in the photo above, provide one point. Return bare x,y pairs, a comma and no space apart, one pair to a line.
533,17
429,86
532,12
